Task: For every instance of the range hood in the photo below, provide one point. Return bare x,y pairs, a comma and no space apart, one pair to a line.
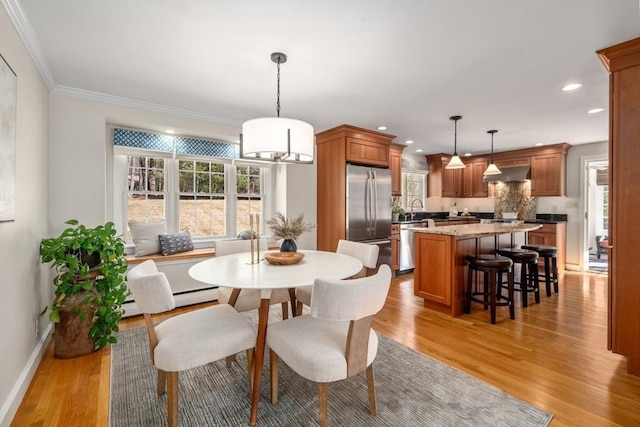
512,174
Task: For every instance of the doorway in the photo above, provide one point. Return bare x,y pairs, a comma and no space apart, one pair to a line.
597,215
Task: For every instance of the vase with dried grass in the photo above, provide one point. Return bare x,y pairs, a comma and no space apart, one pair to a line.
288,229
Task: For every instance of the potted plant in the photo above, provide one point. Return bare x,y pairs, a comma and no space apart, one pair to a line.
396,211
90,288
288,229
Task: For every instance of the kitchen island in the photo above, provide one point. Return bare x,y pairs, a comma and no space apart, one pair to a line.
440,272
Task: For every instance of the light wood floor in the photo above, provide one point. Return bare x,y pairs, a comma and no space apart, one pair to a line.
552,355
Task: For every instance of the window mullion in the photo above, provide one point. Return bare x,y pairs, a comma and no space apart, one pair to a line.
230,197
172,198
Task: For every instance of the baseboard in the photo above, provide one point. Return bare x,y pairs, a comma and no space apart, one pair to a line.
11,405
572,267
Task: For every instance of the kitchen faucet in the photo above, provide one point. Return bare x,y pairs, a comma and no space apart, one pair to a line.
411,205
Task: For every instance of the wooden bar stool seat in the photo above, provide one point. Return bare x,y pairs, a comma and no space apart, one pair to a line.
550,256
492,266
528,282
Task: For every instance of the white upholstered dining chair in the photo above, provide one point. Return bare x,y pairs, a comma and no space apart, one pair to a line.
248,299
335,341
186,340
367,254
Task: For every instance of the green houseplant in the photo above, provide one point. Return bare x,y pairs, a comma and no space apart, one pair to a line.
90,286
396,210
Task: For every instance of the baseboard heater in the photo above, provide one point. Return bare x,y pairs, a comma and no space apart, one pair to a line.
194,296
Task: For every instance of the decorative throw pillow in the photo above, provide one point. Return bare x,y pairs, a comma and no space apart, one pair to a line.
175,243
145,236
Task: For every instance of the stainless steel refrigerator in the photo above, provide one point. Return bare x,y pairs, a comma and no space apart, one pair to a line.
369,208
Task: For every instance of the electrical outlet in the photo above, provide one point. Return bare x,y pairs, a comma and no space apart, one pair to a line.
37,326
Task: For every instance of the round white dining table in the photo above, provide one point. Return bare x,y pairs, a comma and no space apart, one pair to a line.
236,271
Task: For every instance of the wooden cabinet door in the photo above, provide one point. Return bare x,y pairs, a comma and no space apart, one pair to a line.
395,164
479,187
467,181
432,273
451,181
547,175
395,247
364,152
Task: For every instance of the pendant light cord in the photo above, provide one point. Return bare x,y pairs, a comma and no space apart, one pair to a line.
455,137
278,88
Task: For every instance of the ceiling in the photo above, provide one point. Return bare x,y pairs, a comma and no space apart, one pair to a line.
408,65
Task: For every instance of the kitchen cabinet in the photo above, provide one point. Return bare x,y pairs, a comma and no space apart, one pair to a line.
548,174
395,164
473,174
551,235
395,247
368,152
623,63
465,182
334,149
443,182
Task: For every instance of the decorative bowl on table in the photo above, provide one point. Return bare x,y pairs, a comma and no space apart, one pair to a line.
283,258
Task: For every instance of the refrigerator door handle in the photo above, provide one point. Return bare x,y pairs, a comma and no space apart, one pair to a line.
374,206
378,242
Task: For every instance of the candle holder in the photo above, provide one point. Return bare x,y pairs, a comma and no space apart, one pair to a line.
255,253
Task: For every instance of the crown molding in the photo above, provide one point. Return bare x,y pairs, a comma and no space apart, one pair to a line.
28,37
143,105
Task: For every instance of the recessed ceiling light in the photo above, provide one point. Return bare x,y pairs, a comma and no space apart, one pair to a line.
595,110
572,86
538,144
171,131
409,141
467,154
419,150
382,128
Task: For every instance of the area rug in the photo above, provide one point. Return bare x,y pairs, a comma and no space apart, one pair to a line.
412,390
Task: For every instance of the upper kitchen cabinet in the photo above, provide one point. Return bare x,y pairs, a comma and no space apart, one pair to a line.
355,145
473,185
334,149
548,167
548,173
443,182
395,164
465,182
622,61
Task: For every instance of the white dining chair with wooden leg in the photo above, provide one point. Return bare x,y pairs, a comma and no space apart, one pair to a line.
187,340
367,254
335,341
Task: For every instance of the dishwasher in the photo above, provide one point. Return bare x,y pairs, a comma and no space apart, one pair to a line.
406,248
406,244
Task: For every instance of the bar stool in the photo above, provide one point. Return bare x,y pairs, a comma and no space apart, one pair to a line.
528,261
492,266
549,253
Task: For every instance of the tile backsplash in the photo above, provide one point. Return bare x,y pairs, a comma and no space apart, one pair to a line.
515,197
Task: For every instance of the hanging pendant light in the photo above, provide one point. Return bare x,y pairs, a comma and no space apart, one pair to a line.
492,169
277,139
455,162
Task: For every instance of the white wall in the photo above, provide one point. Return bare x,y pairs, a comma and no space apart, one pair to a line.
24,281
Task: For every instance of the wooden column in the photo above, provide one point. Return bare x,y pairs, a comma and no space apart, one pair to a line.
623,63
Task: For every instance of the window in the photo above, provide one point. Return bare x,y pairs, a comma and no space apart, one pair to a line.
248,195
202,200
413,187
145,185
154,181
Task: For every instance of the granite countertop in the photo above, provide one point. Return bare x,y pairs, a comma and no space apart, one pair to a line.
478,230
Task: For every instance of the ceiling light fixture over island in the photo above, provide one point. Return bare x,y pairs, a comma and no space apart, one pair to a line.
440,268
